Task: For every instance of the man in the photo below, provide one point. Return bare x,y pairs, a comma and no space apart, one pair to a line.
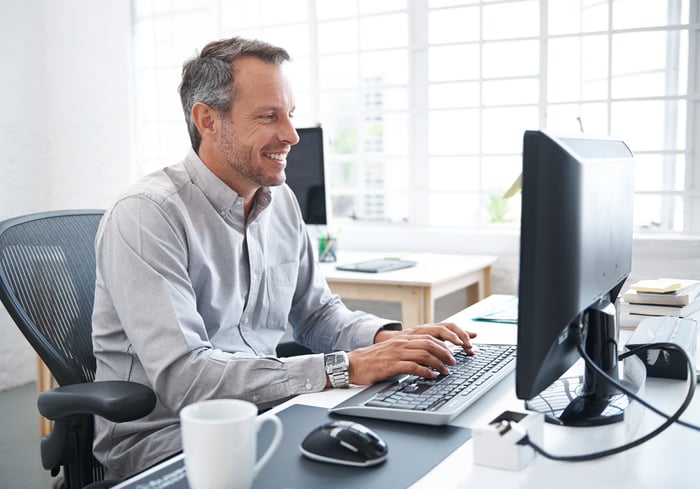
202,265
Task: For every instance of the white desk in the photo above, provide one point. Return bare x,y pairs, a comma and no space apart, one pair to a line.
416,289
667,461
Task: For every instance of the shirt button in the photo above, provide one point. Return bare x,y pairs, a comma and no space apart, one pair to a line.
222,212
256,398
308,385
245,320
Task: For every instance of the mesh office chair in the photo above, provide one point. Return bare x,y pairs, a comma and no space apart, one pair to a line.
47,284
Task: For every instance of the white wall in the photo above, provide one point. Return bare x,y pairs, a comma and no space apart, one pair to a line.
66,90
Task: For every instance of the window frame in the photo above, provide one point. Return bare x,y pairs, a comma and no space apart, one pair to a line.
418,214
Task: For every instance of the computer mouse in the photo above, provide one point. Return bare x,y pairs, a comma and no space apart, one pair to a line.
345,443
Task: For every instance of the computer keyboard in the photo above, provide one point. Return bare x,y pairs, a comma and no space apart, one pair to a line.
434,401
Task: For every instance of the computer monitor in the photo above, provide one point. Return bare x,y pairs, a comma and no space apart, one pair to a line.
306,174
575,255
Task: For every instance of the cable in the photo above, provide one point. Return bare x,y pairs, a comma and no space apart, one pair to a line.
660,346
669,419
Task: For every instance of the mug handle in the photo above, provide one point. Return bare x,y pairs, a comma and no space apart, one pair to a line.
273,444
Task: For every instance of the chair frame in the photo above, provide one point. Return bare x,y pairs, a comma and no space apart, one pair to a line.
73,404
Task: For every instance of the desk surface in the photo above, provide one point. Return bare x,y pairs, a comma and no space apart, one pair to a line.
667,460
431,268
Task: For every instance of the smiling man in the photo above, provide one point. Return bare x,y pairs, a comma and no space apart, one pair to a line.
203,265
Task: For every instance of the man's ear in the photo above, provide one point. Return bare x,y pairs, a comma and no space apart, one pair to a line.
206,119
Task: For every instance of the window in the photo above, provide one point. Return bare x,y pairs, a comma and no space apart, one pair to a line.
424,102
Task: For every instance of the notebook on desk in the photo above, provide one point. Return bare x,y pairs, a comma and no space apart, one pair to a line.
377,266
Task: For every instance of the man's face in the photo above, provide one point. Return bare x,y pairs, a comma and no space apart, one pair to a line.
258,133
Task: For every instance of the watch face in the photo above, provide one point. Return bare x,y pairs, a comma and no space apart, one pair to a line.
333,359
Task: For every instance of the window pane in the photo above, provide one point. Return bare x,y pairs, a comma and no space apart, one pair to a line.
649,215
388,134
396,205
446,95
511,58
299,74
503,128
454,25
510,20
238,14
648,125
385,67
573,118
499,172
339,102
373,6
627,14
659,171
577,69
454,132
337,37
453,209
334,9
384,31
456,173
448,3
394,98
283,11
293,38
510,92
567,17
338,71
396,176
642,66
481,90
449,63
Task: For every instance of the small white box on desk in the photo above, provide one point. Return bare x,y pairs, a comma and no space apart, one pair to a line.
496,444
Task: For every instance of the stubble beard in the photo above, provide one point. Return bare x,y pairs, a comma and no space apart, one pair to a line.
241,159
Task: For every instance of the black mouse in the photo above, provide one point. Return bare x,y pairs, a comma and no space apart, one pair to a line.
345,443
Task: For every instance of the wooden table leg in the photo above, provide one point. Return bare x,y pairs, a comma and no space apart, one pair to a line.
44,383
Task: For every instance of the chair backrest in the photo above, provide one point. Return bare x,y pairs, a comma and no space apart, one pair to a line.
47,284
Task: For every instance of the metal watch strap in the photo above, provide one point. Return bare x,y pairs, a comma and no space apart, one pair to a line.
337,370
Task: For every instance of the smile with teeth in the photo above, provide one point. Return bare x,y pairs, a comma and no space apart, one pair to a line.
276,156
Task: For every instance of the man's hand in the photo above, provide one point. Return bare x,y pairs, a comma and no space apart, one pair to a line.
417,351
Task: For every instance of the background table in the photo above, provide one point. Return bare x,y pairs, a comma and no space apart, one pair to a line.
435,275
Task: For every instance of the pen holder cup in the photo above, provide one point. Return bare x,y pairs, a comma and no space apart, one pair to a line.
327,248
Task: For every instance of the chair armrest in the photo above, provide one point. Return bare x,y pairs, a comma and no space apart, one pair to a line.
114,400
291,349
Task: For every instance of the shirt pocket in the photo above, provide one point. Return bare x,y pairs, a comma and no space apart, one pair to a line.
280,286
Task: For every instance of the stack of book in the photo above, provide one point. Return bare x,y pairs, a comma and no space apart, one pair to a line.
659,297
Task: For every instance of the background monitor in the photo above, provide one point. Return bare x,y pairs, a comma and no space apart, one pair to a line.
575,254
306,174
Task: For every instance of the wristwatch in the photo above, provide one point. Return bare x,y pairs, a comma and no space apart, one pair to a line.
337,368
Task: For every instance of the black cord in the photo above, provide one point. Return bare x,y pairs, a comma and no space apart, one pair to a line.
669,419
691,376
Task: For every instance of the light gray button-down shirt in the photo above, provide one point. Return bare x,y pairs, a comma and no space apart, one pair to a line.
192,300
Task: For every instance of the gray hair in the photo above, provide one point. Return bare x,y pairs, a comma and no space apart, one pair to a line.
208,77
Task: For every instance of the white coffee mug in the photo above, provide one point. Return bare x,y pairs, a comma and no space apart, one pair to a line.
219,440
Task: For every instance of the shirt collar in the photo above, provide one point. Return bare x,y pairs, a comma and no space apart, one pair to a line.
220,195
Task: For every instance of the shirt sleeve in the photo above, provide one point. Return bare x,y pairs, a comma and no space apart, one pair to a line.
147,324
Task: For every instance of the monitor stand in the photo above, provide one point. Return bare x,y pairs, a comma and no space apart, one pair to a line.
590,400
